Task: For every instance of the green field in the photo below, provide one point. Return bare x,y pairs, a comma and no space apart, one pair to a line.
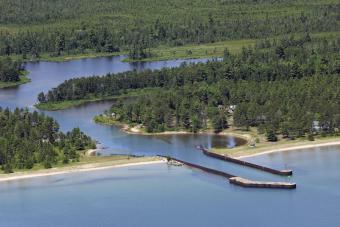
210,50
213,50
67,29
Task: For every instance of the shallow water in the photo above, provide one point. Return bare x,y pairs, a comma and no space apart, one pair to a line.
157,195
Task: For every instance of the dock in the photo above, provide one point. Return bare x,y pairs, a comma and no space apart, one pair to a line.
245,163
238,180
260,184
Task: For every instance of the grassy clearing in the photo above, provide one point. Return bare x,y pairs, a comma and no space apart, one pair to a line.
67,57
162,53
101,119
23,80
89,54
53,106
210,50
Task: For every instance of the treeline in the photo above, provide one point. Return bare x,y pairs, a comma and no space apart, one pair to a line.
28,139
269,61
290,86
10,70
293,107
67,27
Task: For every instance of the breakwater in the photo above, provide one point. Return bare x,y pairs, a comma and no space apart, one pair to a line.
236,180
245,163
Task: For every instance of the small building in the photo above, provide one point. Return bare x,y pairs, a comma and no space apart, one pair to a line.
231,108
45,139
316,126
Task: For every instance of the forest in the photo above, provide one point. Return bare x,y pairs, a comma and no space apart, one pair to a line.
288,86
33,27
10,70
31,139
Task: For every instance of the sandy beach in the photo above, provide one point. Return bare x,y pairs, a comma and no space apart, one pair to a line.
137,130
293,148
74,169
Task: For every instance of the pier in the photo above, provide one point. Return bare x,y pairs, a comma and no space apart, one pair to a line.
260,184
239,180
245,163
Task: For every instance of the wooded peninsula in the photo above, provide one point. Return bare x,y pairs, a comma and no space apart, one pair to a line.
32,139
288,87
12,73
274,67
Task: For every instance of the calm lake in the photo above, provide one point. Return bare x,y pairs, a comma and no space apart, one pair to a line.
158,195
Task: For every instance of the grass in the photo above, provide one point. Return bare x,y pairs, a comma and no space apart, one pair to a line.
62,105
84,162
210,50
23,80
262,145
162,53
101,119
67,57
53,106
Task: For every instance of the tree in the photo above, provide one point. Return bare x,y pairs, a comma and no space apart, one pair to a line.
219,122
29,138
41,97
271,137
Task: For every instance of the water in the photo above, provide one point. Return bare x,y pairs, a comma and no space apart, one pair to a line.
46,75
157,195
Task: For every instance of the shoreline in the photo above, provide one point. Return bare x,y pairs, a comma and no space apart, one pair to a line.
131,130
126,128
55,106
24,79
248,137
292,148
74,169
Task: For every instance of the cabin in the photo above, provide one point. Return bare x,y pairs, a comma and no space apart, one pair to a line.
231,108
45,139
316,126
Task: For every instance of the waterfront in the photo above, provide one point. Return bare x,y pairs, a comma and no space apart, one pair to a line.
157,195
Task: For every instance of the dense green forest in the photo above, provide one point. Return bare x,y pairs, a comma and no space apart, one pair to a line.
289,86
28,139
290,107
10,70
32,27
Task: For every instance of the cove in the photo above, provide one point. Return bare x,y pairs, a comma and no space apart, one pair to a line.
158,195
46,75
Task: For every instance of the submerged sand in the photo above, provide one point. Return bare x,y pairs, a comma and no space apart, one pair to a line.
73,169
293,148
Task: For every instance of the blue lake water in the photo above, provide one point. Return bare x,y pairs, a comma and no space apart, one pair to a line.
158,195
